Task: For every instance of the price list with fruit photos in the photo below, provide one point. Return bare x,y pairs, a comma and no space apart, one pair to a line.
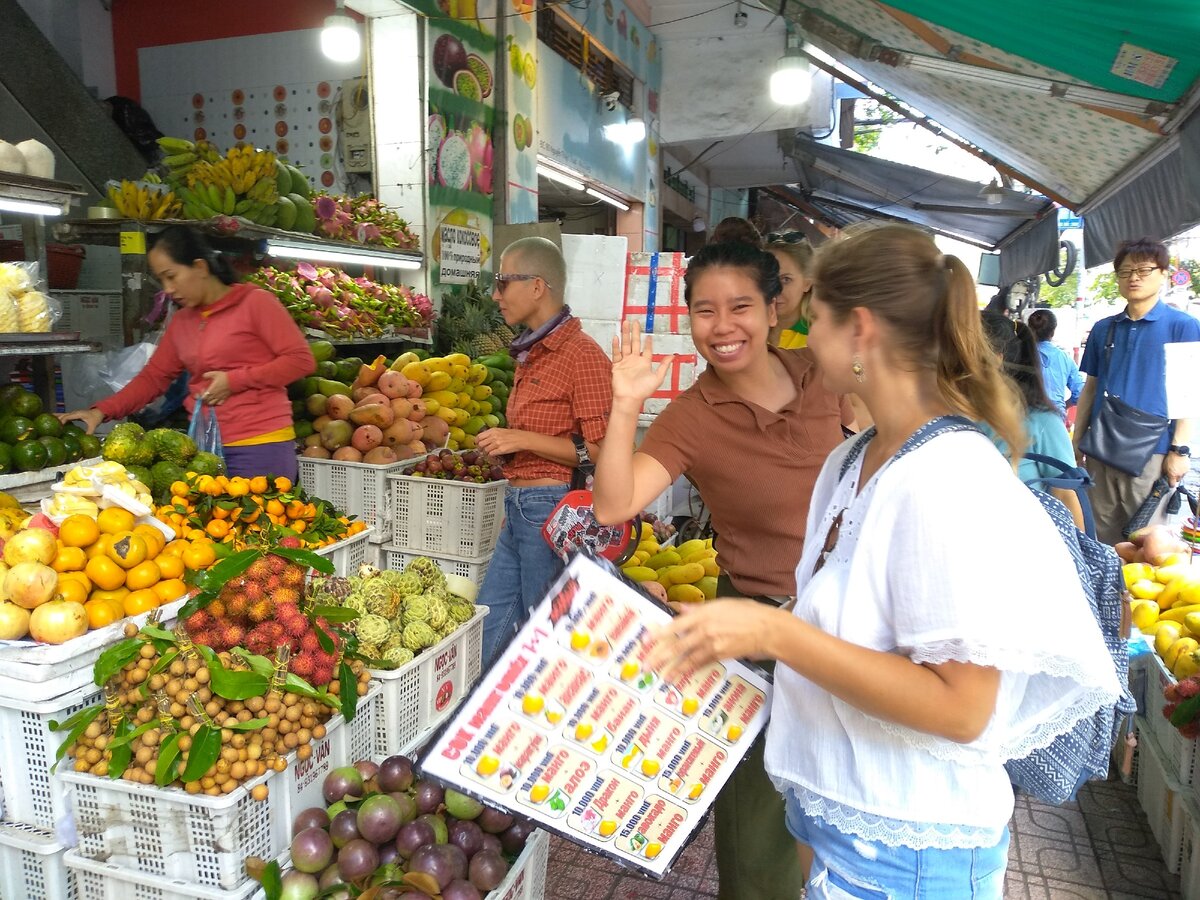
569,729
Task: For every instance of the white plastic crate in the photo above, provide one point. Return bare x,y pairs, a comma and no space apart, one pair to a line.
169,833
1177,752
420,695
357,489
1161,798
455,518
396,558
342,745
31,794
32,866
1189,868
105,881
347,555
32,671
526,880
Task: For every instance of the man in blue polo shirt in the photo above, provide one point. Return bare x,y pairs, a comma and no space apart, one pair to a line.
1135,371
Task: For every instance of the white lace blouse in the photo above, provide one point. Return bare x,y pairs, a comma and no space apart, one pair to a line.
944,555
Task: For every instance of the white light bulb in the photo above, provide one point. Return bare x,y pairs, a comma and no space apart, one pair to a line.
791,82
340,40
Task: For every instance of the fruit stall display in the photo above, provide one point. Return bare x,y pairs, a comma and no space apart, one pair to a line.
684,574
158,458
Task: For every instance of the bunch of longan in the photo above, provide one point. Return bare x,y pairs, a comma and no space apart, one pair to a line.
178,698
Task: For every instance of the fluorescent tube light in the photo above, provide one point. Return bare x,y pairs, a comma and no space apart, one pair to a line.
555,175
31,207
340,40
289,250
607,199
558,167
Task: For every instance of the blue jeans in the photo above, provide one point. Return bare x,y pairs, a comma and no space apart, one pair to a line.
846,867
522,565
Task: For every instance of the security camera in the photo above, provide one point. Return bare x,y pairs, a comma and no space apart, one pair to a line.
740,18
610,100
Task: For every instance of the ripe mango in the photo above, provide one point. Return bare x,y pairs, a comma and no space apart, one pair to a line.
648,547
1145,613
1191,621
640,573
711,569
683,574
1171,593
698,555
663,559
1186,665
1185,645
1168,633
708,585
1167,574
1134,572
1178,612
685,593
1146,589
689,547
647,533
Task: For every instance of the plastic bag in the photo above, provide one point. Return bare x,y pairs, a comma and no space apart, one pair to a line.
16,280
205,430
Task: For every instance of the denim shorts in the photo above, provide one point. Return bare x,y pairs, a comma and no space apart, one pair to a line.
846,867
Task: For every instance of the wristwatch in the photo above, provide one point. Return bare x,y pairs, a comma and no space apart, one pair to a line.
1181,450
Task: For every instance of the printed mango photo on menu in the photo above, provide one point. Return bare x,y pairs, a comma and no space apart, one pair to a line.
604,806
499,757
552,690
607,712
557,780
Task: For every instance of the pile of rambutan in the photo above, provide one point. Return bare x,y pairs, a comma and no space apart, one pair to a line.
1177,693
262,610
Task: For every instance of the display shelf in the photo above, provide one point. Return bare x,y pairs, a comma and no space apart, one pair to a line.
108,231
39,190
55,348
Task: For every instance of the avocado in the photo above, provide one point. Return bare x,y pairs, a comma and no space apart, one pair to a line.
47,425
327,369
30,456
56,450
16,430
90,445
74,448
347,369
26,404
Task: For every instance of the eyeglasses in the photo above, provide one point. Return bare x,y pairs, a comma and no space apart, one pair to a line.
1140,272
831,539
786,237
503,281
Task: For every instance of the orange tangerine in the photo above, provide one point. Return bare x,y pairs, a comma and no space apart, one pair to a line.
155,542
79,577
69,559
259,484
217,528
100,548
70,589
179,489
143,575
118,596
136,602
239,487
200,555
127,550
282,484
175,548
102,612
114,520
78,531
169,565
105,573
169,590
275,508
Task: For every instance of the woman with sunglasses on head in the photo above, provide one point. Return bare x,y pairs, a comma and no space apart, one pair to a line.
795,256
909,671
751,434
562,386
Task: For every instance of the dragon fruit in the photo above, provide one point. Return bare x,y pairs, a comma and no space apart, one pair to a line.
454,162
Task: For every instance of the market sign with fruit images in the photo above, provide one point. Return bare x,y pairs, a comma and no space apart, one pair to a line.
461,111
519,52
570,729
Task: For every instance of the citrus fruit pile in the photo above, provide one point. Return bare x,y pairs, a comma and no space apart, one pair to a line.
96,571
247,512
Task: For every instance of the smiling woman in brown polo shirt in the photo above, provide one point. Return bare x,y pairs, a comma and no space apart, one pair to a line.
752,435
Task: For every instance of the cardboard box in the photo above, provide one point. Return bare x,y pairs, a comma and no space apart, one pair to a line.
654,292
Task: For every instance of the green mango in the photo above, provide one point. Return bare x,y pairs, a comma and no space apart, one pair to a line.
306,217
285,216
298,408
322,351
329,387
347,369
300,183
308,386
303,428
327,369
283,178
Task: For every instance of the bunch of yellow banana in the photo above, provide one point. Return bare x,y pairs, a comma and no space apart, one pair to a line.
250,166
135,200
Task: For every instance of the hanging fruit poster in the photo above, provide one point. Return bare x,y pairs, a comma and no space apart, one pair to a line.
518,57
570,729
461,96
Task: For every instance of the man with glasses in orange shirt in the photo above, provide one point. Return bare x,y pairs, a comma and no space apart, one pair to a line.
563,386
1124,357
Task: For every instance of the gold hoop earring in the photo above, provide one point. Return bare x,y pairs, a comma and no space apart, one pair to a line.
860,373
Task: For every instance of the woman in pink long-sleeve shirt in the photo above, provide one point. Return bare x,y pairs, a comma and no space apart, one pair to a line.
239,346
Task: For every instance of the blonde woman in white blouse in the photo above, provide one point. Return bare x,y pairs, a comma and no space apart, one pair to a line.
909,670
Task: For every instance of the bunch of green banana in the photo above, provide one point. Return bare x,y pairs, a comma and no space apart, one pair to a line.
204,201
136,201
180,155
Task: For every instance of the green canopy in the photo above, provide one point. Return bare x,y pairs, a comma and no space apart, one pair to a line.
1081,38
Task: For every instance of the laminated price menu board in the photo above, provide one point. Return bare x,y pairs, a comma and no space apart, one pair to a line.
569,729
